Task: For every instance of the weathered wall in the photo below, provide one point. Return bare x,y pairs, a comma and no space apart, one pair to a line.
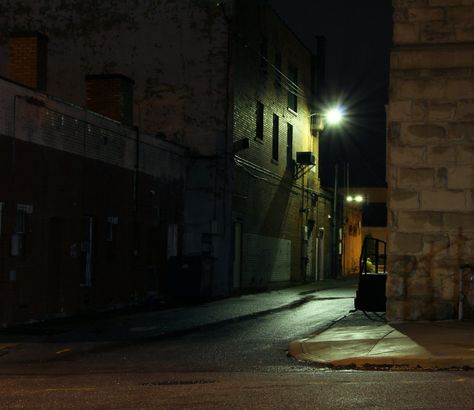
430,157
67,163
279,222
174,50
352,239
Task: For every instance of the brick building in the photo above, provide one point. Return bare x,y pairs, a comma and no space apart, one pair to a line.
80,224
232,84
431,159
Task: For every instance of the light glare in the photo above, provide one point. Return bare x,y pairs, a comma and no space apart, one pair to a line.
334,116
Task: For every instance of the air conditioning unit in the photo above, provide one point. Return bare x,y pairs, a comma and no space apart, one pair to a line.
317,124
305,158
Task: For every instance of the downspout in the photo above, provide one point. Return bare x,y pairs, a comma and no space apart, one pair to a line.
228,154
135,193
13,151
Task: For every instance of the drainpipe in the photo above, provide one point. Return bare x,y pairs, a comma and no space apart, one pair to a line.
135,191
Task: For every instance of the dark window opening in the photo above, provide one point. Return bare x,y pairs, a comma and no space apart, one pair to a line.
275,142
289,146
374,214
259,130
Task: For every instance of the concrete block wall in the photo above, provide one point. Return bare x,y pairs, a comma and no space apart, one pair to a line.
430,148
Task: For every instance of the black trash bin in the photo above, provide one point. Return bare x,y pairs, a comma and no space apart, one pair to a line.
190,278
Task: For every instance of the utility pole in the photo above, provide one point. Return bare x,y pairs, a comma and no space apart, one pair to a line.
334,225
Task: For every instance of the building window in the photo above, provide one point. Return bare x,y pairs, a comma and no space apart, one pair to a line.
259,132
22,226
289,146
2,204
278,69
275,134
112,221
293,88
87,228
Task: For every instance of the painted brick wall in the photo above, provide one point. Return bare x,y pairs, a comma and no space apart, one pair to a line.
66,163
174,50
430,158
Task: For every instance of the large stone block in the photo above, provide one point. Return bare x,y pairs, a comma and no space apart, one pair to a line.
405,155
465,110
420,310
448,287
455,221
444,310
416,177
432,59
405,33
435,246
422,88
465,34
443,200
401,264
465,154
461,178
395,288
400,110
462,248
461,130
460,14
437,32
419,286
409,221
441,180
451,2
406,243
441,111
459,88
422,14
409,3
420,133
396,310
404,199
441,154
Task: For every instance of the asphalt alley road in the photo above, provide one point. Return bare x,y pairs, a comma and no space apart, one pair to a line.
236,365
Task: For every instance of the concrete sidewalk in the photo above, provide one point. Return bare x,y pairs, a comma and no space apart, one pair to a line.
359,342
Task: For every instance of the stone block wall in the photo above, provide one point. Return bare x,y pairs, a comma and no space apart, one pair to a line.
430,157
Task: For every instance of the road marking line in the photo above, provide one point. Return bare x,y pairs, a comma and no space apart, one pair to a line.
63,351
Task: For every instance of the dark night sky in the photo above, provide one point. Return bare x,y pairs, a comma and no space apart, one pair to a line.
358,34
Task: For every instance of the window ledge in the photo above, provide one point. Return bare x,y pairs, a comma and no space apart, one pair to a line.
292,111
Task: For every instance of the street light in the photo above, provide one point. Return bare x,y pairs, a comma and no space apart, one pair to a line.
355,198
334,116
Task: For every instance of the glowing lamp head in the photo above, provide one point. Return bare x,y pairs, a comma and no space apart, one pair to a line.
334,116
359,198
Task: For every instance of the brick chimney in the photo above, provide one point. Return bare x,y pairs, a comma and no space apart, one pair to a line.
111,95
28,59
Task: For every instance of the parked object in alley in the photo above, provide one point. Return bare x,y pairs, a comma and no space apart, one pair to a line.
370,295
